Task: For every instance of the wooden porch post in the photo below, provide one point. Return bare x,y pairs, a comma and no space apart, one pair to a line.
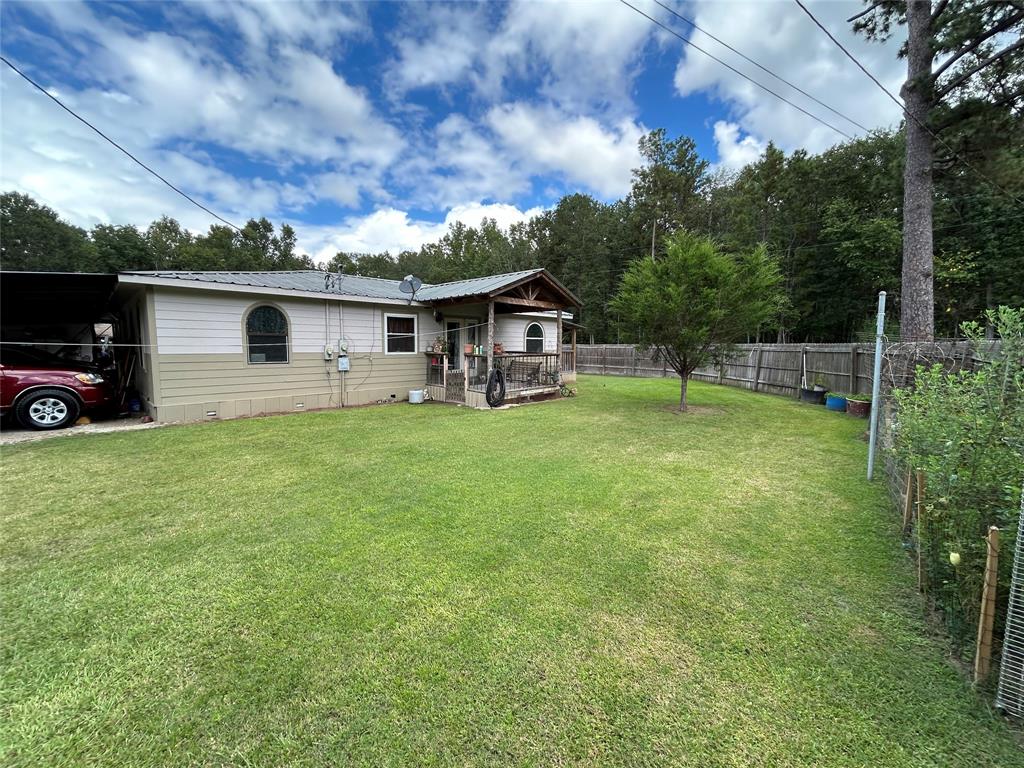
490,337
558,339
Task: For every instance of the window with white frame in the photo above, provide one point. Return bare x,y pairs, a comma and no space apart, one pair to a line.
399,334
534,337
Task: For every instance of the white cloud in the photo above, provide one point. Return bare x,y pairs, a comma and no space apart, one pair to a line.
389,229
282,105
297,22
439,46
63,164
734,152
578,148
584,53
784,40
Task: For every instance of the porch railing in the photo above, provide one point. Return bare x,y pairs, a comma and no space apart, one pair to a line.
523,370
568,361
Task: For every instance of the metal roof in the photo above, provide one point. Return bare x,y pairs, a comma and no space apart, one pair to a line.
347,285
472,287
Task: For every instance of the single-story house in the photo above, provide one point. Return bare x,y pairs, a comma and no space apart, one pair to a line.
227,344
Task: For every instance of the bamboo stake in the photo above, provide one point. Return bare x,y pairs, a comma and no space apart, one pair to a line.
908,501
983,653
920,525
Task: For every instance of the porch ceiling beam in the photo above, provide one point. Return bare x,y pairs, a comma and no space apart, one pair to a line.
535,303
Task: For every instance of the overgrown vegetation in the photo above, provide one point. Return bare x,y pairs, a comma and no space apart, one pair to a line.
966,431
587,582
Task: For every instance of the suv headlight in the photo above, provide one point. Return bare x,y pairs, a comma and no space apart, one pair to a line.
89,378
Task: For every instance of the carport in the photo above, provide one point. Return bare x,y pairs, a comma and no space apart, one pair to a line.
76,316
55,311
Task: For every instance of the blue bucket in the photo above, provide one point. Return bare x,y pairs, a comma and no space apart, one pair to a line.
835,403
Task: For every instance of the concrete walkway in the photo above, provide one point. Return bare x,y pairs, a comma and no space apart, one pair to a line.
14,433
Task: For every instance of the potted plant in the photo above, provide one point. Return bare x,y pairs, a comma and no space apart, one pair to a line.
440,346
469,349
835,401
859,405
814,394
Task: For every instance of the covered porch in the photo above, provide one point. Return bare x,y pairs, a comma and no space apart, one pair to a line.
537,367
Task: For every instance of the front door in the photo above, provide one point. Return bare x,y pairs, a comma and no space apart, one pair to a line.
454,344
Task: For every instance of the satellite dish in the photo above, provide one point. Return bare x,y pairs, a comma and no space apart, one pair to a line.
410,285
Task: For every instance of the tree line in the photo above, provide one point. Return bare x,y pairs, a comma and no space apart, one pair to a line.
832,221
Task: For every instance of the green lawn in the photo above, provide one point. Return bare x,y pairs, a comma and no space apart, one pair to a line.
595,581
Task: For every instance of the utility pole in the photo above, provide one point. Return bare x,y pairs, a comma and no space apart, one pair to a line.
654,228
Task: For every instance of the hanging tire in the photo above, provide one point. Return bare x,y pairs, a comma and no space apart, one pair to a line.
47,409
495,392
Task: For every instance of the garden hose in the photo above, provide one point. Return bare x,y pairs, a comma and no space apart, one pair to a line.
495,392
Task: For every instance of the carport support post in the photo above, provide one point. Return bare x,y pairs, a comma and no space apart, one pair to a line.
490,337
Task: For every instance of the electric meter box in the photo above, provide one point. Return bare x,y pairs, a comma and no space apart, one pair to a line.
343,363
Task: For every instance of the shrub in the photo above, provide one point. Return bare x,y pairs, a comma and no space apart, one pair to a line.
965,429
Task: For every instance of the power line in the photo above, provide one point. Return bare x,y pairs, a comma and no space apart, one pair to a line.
731,68
763,68
109,140
902,107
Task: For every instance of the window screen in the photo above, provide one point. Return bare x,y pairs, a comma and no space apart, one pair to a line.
534,338
400,334
266,330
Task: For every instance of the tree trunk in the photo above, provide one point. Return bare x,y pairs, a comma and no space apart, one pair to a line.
917,299
682,392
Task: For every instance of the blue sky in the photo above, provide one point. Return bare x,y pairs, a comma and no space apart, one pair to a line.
372,126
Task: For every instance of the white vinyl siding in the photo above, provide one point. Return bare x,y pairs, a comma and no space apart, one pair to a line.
201,322
510,330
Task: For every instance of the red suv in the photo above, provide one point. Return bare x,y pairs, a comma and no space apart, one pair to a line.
48,392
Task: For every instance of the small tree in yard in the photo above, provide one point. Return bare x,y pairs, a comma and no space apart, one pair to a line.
695,302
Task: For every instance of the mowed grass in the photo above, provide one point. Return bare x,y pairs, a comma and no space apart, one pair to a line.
594,581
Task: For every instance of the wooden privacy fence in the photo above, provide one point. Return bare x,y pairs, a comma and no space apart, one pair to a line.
773,368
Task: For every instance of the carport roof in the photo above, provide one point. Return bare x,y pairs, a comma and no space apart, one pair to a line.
50,298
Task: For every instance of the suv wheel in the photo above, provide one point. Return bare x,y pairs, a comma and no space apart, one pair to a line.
47,409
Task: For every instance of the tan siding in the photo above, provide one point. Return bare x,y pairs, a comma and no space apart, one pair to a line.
191,385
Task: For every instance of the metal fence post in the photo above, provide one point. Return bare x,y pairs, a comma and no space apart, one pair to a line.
876,384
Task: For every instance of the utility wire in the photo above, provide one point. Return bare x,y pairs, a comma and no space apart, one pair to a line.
902,107
763,68
109,140
731,68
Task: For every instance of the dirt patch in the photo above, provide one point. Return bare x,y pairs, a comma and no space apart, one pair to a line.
692,410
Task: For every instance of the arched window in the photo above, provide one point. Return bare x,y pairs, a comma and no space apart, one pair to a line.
534,338
266,335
